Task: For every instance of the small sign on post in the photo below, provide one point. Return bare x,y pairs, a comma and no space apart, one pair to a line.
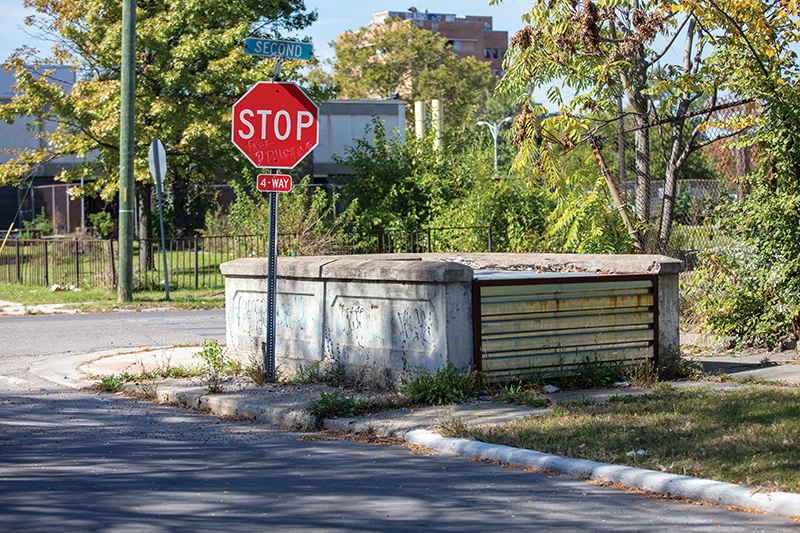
157,158
274,183
270,48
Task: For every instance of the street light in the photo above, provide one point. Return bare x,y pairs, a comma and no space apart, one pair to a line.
495,129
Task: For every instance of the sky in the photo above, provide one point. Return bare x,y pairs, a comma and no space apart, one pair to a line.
335,17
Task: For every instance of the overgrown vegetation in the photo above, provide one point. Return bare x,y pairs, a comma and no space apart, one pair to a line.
446,385
306,214
217,365
743,436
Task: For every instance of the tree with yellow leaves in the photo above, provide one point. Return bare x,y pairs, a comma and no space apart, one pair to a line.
656,54
190,69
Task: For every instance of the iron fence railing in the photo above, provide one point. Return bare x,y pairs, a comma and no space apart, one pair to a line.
78,262
193,262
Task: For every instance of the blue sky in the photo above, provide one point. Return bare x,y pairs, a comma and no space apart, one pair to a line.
335,16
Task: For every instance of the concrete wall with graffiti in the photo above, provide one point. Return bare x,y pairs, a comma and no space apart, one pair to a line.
380,319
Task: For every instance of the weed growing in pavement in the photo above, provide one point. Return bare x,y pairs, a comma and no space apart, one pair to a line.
596,374
447,385
643,374
333,405
112,383
148,389
254,370
305,373
765,362
213,355
522,394
454,426
678,367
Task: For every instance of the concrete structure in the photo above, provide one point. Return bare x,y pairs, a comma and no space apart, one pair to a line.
384,316
378,318
343,122
470,36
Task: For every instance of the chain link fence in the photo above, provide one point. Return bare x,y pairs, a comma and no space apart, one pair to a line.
712,176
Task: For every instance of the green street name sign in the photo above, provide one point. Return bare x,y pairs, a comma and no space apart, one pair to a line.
287,49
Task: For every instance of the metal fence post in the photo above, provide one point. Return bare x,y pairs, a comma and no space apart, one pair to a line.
490,238
196,264
46,266
429,239
19,265
77,263
113,263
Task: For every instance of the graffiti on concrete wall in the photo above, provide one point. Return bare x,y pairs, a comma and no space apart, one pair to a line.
417,325
381,323
250,308
290,312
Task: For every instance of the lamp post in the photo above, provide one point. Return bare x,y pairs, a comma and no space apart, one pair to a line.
495,129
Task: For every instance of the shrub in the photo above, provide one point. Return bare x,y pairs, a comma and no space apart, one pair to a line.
447,385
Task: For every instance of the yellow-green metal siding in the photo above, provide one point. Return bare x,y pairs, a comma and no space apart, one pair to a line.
558,326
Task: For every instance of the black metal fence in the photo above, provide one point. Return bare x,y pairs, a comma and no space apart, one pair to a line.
78,262
193,262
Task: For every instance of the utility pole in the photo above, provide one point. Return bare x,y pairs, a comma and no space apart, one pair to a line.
127,196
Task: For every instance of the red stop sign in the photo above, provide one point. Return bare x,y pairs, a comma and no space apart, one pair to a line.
275,124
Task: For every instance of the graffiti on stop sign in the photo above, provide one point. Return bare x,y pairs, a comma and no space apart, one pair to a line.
260,129
275,125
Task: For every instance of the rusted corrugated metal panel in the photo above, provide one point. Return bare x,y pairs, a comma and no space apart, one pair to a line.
556,324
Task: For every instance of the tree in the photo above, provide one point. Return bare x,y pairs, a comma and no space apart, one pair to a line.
603,51
753,292
398,57
190,68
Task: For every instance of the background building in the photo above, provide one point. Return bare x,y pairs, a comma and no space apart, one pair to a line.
470,36
40,190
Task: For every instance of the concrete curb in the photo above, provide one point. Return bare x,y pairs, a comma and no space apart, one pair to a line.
718,492
275,416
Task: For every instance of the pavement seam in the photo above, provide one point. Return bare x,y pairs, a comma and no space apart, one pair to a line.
718,492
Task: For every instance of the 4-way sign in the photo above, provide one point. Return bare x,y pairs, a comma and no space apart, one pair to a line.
274,183
275,125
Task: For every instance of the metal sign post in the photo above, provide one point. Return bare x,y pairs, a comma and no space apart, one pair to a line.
157,158
272,283
281,142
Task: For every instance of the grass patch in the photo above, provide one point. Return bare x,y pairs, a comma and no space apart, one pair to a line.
747,436
98,300
522,394
27,295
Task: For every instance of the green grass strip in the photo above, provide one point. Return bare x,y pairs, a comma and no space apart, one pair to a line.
746,436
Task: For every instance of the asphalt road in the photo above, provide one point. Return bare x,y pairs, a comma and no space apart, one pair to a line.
84,461
23,336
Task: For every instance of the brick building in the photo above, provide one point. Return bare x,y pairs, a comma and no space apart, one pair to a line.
470,36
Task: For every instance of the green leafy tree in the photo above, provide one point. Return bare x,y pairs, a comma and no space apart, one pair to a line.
753,292
605,51
190,69
409,185
385,191
398,57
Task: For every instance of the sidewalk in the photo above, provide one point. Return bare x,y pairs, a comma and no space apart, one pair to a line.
282,405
